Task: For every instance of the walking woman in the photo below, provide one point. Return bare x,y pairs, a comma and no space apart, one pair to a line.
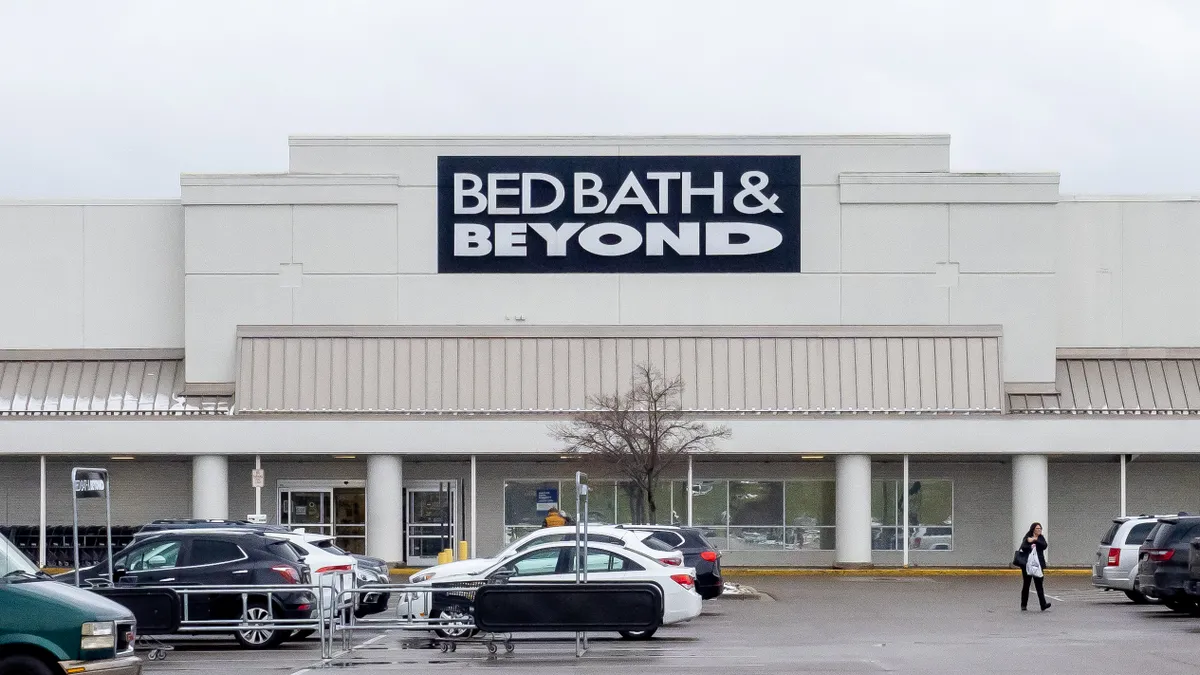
1033,547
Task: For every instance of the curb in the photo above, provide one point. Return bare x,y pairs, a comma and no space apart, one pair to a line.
825,572
891,572
863,572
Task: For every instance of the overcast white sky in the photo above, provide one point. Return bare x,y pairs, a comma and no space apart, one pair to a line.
115,99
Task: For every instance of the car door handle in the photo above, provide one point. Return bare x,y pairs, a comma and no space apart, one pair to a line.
168,579
242,572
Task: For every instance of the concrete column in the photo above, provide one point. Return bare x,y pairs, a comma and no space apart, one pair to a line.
853,514
1031,494
210,486
385,508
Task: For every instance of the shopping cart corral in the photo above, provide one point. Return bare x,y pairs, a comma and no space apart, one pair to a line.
492,614
251,613
490,609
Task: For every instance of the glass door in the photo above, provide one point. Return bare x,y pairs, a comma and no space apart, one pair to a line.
308,508
350,519
431,526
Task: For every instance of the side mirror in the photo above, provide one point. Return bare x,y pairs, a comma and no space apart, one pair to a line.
501,576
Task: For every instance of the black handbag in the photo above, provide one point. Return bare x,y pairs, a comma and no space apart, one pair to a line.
1020,558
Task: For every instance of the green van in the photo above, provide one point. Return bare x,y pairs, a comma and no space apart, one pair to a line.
48,627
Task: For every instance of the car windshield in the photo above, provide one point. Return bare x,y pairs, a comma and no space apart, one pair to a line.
14,563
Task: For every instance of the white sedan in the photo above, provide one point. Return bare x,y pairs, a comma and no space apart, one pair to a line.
555,562
416,605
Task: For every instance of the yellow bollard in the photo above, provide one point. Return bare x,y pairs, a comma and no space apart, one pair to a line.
444,557
464,551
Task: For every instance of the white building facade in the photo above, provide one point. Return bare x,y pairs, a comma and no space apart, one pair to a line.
389,328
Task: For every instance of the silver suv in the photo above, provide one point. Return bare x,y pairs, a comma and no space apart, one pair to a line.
1116,566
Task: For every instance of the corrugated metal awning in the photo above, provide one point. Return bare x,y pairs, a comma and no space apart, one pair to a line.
1120,386
97,386
555,369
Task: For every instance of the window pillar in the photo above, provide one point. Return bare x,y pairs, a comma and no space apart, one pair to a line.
210,487
853,512
385,507
1031,493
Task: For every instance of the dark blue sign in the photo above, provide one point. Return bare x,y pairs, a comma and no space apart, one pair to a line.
547,498
677,214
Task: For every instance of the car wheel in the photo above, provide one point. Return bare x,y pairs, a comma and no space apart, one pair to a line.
457,613
1137,597
1179,606
260,638
22,664
638,634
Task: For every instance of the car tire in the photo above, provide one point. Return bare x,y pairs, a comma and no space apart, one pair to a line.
1137,597
638,634
23,664
258,610
1179,606
455,613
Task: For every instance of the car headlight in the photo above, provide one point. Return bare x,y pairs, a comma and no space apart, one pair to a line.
421,578
98,635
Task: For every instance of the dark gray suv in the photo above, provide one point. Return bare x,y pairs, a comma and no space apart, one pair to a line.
1163,562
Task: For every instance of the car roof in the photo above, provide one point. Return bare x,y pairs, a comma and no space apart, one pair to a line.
1143,517
1179,518
230,531
611,548
568,529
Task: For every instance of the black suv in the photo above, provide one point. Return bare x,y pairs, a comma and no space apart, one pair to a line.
1163,562
697,554
178,559
371,571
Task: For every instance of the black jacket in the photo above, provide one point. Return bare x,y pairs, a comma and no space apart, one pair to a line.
1027,547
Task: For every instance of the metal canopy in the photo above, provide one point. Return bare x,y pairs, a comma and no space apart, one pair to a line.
100,387
745,370
1118,386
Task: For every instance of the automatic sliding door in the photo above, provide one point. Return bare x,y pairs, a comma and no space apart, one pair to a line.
350,519
432,521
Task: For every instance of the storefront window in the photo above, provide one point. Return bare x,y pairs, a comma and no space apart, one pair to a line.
760,515
523,513
810,515
735,515
756,515
930,515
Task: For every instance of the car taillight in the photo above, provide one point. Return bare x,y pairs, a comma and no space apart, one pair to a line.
1114,557
334,568
710,556
674,562
1161,555
289,574
684,580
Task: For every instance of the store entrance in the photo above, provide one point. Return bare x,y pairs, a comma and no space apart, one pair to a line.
338,509
431,516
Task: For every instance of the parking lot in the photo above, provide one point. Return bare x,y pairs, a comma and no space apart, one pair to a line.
844,625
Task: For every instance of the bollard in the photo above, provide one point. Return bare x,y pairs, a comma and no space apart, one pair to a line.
464,551
444,557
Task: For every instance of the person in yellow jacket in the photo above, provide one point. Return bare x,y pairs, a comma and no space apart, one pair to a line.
555,519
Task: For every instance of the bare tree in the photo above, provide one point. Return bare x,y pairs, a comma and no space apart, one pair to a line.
641,433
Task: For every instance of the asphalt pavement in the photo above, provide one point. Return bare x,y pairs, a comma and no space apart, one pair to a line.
810,625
